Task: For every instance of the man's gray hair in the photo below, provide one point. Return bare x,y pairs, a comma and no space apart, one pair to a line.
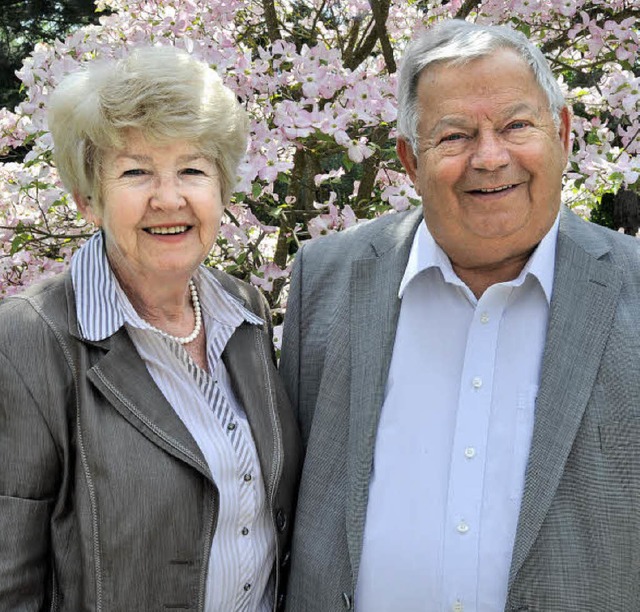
457,42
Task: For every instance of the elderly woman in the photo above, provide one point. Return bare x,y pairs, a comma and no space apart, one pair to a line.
148,454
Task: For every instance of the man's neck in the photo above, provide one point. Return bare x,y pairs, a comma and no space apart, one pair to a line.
480,278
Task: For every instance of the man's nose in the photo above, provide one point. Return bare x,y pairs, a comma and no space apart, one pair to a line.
167,193
490,152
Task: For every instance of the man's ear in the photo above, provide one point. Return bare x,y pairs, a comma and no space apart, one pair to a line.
86,210
407,159
564,130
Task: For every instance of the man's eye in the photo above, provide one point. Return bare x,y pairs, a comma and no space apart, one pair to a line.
452,137
517,125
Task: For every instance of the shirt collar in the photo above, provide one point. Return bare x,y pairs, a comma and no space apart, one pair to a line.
103,308
425,253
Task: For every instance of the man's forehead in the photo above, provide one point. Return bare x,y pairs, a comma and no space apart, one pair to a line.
520,108
457,65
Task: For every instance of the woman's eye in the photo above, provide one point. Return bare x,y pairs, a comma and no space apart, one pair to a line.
134,172
195,171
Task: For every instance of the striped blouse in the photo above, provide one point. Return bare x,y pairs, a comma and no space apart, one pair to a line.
243,548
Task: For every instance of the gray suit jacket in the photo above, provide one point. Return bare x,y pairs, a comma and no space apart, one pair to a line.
577,546
106,501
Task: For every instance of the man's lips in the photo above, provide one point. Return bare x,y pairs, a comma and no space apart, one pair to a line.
488,190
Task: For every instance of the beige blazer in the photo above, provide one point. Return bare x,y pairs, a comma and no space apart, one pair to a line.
106,502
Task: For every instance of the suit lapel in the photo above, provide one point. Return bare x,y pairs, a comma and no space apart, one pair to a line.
374,310
584,300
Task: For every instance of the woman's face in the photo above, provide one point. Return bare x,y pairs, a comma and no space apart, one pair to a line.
161,210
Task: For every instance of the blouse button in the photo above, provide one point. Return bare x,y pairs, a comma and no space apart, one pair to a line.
281,520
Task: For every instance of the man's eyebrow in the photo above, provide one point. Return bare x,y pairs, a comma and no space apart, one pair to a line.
461,121
520,107
449,121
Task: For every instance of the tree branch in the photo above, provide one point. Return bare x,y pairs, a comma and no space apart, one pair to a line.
362,52
380,10
271,19
466,8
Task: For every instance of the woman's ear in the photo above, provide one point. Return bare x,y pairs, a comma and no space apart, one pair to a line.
86,209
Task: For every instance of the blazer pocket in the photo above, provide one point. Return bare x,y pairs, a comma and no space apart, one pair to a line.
617,435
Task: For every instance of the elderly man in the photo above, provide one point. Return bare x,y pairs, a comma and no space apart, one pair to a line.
467,379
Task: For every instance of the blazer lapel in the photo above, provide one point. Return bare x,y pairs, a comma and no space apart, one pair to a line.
243,358
374,310
122,378
584,300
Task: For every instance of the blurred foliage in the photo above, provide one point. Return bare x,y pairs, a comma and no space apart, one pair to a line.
23,23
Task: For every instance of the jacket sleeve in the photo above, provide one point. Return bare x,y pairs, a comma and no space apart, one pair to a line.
29,465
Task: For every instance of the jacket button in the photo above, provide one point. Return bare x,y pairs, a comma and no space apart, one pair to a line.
285,559
280,604
346,600
281,520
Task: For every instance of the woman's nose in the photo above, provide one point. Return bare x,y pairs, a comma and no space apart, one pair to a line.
167,193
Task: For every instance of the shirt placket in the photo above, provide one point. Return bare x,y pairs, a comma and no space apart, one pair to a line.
469,454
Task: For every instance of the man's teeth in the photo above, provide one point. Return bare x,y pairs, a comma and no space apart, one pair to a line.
176,229
495,189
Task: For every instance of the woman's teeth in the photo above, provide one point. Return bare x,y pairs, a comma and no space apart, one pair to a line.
176,229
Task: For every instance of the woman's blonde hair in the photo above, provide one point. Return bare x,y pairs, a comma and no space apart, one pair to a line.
162,92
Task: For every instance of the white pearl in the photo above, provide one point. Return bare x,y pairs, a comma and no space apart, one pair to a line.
195,300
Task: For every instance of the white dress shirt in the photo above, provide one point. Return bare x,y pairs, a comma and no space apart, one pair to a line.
454,436
243,548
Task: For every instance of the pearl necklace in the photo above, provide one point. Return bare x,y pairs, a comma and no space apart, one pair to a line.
195,300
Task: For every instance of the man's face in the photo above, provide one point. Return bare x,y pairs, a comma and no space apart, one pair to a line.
490,159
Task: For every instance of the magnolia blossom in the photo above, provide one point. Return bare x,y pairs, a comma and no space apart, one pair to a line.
266,274
323,111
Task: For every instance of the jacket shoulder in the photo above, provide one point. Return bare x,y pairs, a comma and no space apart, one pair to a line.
603,243
367,239
41,305
251,296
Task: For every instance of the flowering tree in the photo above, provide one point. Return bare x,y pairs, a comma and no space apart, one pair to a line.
318,79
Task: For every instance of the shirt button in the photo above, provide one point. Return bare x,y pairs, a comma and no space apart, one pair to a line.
469,452
477,382
247,477
462,527
231,426
245,531
247,586
484,317
457,606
